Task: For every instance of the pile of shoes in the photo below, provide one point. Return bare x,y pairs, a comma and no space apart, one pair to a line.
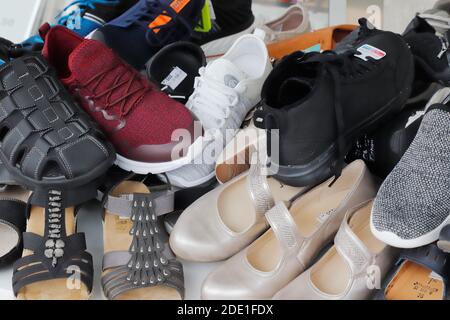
314,163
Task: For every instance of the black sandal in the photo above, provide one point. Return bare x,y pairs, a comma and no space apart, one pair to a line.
44,135
55,264
12,225
444,240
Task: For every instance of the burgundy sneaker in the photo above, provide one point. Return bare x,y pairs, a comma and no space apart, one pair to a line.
137,117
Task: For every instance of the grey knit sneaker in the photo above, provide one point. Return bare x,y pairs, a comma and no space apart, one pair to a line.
413,204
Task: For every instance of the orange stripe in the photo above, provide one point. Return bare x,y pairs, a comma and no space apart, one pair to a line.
162,19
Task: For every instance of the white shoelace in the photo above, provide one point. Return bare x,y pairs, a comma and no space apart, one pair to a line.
213,103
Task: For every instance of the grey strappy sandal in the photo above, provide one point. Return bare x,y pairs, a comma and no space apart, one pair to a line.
138,263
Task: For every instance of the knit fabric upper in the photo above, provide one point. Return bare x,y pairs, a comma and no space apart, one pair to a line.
218,109
131,110
414,199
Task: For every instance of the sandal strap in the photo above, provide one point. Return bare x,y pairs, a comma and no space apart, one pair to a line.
37,267
149,262
351,248
284,227
259,190
55,255
123,205
117,281
13,214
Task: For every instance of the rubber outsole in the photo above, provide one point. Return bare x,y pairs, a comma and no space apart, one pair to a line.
159,167
395,241
41,187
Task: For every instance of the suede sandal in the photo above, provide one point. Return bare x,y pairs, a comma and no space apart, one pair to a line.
55,264
420,274
44,135
12,225
138,263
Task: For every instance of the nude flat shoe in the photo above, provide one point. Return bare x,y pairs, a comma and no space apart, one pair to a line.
236,157
229,218
351,269
296,236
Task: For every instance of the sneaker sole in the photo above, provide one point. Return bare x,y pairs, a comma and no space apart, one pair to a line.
395,241
158,167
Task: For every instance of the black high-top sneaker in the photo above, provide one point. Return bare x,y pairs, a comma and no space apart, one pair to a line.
321,103
428,37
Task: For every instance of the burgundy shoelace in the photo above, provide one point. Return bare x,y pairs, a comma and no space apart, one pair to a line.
129,82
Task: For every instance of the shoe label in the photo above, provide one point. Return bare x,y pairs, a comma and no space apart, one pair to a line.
163,19
315,48
324,216
368,51
175,78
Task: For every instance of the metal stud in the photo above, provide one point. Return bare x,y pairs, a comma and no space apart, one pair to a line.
60,244
59,253
48,253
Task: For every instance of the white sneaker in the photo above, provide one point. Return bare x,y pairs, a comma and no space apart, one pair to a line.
293,22
227,89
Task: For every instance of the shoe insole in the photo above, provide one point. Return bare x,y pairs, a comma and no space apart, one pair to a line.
9,239
331,274
236,208
309,213
237,154
175,62
414,282
116,237
55,289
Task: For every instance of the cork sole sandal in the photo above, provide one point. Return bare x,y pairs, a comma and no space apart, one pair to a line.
138,263
54,264
420,274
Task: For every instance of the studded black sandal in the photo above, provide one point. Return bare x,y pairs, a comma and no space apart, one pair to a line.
138,263
55,264
46,140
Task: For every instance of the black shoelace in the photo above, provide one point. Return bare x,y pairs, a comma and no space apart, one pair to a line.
341,67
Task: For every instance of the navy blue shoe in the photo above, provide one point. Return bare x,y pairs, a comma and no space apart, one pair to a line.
85,16
148,26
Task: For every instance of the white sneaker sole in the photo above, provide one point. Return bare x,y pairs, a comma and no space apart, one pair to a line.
158,167
182,183
395,241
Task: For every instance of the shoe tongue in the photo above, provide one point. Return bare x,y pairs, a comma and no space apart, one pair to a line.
294,89
90,58
225,72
